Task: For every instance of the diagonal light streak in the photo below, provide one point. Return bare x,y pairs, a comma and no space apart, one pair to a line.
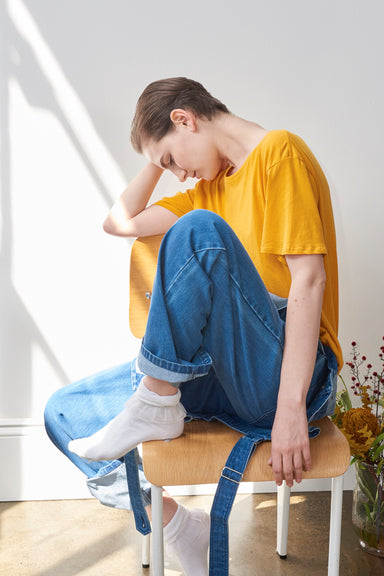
67,99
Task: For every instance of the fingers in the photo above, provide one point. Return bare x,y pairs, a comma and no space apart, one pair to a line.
298,467
290,451
288,470
277,469
290,466
307,458
283,469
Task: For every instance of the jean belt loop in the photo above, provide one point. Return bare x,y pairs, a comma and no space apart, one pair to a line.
141,518
230,479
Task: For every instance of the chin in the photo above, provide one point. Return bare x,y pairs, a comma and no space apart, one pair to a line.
213,175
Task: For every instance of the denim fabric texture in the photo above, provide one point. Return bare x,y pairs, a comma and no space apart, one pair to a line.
226,491
80,409
131,461
215,332
213,323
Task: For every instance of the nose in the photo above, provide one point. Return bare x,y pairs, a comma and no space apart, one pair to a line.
181,174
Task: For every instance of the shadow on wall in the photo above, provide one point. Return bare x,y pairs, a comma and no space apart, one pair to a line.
31,69
29,64
19,330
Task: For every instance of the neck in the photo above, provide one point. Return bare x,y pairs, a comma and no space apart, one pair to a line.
236,138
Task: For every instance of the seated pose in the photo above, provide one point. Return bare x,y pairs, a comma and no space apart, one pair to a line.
243,319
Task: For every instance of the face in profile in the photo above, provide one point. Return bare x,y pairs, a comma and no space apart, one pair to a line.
189,150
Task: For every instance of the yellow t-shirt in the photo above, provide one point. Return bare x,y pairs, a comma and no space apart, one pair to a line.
277,203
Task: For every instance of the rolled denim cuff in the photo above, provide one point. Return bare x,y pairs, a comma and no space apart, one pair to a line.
173,372
111,489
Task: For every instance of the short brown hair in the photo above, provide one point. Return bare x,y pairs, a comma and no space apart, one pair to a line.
152,116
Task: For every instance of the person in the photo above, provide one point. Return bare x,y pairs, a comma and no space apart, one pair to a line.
244,311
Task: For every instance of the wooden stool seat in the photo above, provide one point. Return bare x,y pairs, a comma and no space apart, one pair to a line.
199,455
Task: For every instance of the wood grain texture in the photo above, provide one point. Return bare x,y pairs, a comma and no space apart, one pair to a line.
142,273
199,455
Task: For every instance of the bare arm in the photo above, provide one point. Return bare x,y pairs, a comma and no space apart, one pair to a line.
290,441
129,216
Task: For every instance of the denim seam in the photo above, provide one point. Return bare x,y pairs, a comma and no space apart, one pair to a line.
110,467
256,313
220,249
261,418
176,277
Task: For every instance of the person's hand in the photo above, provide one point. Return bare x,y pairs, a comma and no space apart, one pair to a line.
290,450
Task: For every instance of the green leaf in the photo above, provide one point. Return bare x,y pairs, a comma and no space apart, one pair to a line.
345,400
368,515
366,490
377,448
379,438
368,482
376,453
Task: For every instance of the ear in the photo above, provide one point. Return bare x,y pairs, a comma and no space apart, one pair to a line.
183,118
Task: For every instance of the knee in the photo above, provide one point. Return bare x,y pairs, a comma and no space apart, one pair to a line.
53,411
201,219
196,231
197,222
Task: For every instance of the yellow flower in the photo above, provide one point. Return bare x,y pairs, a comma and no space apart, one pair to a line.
365,398
360,427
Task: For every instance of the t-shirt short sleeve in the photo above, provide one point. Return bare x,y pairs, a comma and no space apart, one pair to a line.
292,222
180,203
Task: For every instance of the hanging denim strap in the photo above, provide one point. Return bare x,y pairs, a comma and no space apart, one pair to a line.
231,476
141,518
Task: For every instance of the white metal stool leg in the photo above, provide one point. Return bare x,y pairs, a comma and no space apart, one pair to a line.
335,526
157,531
283,495
146,551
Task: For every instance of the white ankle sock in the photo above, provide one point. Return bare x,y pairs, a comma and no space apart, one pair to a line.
146,416
187,537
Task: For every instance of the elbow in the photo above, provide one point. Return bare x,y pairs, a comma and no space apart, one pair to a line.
323,281
320,286
113,228
109,227
319,278
317,282
122,229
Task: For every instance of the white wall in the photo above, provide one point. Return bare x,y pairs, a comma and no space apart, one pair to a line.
71,74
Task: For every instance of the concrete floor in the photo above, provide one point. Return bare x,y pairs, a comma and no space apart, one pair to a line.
81,537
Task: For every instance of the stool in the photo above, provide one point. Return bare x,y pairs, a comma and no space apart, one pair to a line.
200,454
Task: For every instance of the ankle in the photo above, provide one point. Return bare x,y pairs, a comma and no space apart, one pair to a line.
175,524
170,507
160,387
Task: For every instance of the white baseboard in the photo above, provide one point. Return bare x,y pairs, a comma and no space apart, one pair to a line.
33,469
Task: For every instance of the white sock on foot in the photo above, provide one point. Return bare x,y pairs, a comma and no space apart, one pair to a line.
146,416
187,537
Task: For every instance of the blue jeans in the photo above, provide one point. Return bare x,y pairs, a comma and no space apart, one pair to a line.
80,409
214,331
211,313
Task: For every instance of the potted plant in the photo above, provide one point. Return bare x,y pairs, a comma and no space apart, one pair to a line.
359,415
